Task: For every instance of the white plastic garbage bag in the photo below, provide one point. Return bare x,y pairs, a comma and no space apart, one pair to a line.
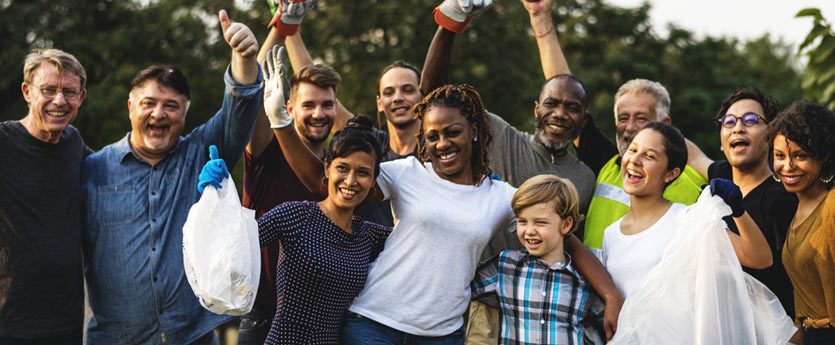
698,293
221,252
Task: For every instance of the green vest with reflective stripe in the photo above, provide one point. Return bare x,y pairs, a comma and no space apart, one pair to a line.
610,202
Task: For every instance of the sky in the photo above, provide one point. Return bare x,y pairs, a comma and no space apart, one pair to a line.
735,19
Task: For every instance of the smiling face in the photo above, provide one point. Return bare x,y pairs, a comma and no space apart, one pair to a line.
448,140
560,113
313,110
745,147
349,179
644,165
540,230
634,111
157,116
798,171
49,115
399,92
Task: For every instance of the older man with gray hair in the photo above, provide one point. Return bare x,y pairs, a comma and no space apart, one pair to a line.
637,103
41,284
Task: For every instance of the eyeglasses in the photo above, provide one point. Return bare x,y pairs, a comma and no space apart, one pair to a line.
51,92
748,120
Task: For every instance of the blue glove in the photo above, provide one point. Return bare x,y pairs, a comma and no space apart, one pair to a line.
213,172
730,193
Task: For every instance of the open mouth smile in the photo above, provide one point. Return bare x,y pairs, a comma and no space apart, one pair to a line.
57,113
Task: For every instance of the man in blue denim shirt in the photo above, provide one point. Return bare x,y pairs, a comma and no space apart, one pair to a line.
138,192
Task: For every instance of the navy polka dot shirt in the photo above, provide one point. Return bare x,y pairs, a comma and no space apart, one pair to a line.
321,268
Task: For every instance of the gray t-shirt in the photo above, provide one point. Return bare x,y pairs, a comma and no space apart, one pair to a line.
515,157
41,289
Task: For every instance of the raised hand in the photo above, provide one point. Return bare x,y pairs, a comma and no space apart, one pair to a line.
276,88
238,36
288,14
730,193
536,7
454,15
213,172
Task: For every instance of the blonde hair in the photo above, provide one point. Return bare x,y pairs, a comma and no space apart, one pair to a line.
62,60
549,188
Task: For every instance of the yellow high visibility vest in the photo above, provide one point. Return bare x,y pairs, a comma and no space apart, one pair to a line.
610,202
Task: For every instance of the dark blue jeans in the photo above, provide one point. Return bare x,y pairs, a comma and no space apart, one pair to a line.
255,326
820,336
360,330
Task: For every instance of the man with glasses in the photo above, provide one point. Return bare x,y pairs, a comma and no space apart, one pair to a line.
742,120
41,285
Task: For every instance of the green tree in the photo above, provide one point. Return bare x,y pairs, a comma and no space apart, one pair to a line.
819,79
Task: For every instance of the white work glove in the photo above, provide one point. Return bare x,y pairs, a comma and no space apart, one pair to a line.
288,14
454,15
276,88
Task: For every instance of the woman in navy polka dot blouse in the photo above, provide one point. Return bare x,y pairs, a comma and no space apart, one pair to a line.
325,250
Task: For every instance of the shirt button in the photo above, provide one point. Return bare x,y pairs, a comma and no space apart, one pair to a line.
541,322
153,193
153,249
543,293
153,220
155,279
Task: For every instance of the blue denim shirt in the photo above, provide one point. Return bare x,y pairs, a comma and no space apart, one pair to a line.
133,237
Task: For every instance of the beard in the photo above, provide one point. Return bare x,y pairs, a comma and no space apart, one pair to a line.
622,142
549,144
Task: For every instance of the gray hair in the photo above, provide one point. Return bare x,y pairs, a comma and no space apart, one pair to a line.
662,107
62,60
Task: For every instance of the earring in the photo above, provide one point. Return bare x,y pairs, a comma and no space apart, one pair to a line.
775,177
475,139
827,180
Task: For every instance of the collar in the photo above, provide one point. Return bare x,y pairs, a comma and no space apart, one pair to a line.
566,265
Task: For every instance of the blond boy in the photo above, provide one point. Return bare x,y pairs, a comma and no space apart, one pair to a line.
542,297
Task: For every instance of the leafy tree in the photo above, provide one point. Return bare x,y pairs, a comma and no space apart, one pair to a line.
605,45
819,80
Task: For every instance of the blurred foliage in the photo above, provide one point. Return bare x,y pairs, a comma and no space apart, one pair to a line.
605,46
819,79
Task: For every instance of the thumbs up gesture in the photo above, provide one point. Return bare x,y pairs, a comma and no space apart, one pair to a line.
239,37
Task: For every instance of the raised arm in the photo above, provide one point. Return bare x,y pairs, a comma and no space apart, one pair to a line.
452,17
244,48
542,23
261,133
593,271
697,159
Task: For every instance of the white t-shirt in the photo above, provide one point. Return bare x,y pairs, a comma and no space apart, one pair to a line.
629,258
420,283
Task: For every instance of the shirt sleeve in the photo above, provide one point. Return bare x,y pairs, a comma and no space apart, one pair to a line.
391,171
379,233
232,125
486,278
277,223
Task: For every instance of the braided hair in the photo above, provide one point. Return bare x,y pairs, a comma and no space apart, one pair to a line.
467,101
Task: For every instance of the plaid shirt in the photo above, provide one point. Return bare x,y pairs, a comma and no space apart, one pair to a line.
539,304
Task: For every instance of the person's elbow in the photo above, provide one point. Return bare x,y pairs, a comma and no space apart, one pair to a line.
759,261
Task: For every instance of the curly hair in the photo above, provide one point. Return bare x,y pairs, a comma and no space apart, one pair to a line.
468,102
770,106
812,126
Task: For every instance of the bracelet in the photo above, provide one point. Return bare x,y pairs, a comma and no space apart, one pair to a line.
546,32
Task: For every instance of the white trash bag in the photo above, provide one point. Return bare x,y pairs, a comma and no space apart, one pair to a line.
221,252
698,293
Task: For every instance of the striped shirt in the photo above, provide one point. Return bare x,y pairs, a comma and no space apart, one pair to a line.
539,304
